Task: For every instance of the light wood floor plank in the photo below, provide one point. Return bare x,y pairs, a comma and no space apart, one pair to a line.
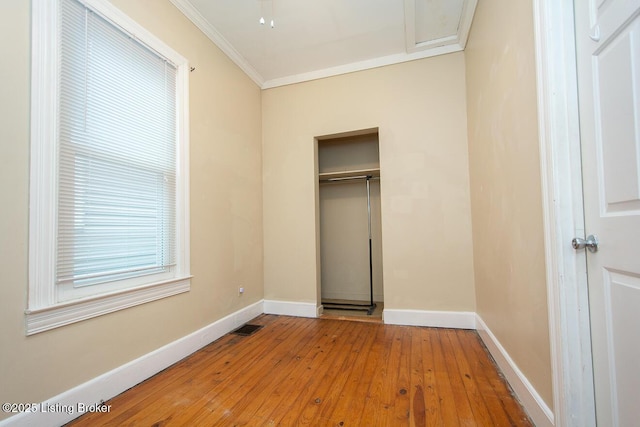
462,403
445,390
503,407
354,396
353,391
417,398
433,398
325,372
240,377
334,380
481,415
376,407
402,404
315,375
299,385
287,392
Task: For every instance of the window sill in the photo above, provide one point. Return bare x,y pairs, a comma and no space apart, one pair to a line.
55,316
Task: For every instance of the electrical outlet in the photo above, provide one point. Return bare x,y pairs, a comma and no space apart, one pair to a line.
240,290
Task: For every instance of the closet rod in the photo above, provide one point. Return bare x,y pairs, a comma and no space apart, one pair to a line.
349,178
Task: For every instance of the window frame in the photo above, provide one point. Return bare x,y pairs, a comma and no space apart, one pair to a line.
44,311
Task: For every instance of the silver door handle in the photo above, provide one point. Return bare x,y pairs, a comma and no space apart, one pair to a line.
591,243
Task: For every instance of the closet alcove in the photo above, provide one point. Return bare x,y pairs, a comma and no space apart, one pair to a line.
350,228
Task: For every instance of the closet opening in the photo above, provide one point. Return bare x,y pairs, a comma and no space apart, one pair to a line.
350,227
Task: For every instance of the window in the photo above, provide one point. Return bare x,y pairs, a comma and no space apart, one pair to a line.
109,165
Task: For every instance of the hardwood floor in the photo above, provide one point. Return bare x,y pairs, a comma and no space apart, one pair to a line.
324,372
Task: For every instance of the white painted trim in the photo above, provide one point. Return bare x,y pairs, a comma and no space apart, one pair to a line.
47,309
409,25
120,19
55,316
468,11
292,308
560,166
43,158
361,66
435,319
459,39
126,376
534,405
116,381
218,39
411,45
214,35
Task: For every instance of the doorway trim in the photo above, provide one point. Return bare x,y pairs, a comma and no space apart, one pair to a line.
561,173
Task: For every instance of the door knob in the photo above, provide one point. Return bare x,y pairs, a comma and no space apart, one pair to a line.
595,33
591,243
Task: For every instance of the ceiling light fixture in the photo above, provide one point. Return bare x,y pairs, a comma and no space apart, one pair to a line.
272,13
262,20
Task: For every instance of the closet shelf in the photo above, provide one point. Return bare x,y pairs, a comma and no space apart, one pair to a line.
349,173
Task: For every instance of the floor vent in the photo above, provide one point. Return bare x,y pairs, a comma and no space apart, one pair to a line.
246,330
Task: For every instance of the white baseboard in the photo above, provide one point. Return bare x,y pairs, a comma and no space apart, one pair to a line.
540,413
64,407
291,308
435,319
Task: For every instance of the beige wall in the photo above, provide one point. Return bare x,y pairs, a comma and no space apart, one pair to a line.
419,108
246,146
505,185
226,215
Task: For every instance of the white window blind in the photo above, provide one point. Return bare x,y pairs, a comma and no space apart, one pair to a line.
109,186
117,156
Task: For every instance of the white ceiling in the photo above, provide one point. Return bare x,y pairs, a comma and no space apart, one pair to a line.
319,38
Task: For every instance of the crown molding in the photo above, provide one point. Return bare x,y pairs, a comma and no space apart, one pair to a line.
413,52
361,66
466,18
218,39
459,39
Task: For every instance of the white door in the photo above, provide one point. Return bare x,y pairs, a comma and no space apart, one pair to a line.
608,48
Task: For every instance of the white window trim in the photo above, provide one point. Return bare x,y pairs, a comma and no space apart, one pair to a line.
44,312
